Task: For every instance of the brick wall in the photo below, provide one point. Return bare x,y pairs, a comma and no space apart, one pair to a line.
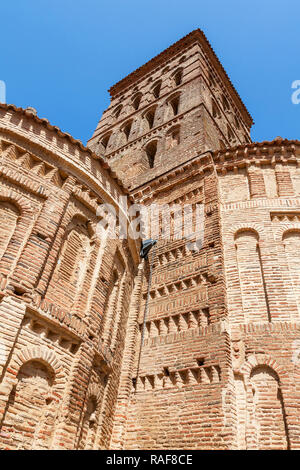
215,362
57,374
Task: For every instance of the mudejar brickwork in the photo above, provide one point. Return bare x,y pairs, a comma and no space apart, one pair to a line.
219,364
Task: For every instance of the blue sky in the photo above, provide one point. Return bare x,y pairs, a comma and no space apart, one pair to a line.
61,56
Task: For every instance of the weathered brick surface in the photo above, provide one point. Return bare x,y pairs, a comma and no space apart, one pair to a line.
216,362
59,380
208,115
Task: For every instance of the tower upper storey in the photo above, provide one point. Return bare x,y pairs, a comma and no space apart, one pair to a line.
171,109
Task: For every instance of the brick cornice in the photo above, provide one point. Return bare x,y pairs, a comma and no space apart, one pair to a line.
257,153
198,165
241,156
75,142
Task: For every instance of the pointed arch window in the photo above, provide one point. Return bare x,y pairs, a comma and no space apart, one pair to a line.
150,116
117,111
127,129
178,77
174,104
151,151
156,89
105,141
136,100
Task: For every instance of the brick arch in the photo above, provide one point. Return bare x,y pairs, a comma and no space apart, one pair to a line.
285,228
20,202
67,227
151,155
23,220
47,357
71,224
73,212
262,362
172,128
246,231
150,107
175,94
178,70
155,138
76,251
90,225
243,227
262,359
94,392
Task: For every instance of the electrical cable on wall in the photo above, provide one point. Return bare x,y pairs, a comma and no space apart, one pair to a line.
145,248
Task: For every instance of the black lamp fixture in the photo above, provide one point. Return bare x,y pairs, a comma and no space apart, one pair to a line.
146,247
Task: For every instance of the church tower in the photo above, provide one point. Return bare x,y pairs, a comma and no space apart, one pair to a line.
159,133
176,106
205,364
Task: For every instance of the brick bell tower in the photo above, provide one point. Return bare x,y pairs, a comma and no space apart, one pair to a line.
158,134
217,367
168,111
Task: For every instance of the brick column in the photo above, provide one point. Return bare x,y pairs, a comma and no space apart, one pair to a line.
118,317
128,363
12,311
284,181
281,305
67,432
256,182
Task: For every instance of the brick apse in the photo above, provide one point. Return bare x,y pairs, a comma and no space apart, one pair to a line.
219,365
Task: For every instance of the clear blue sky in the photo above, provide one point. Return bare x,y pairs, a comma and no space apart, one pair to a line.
61,56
